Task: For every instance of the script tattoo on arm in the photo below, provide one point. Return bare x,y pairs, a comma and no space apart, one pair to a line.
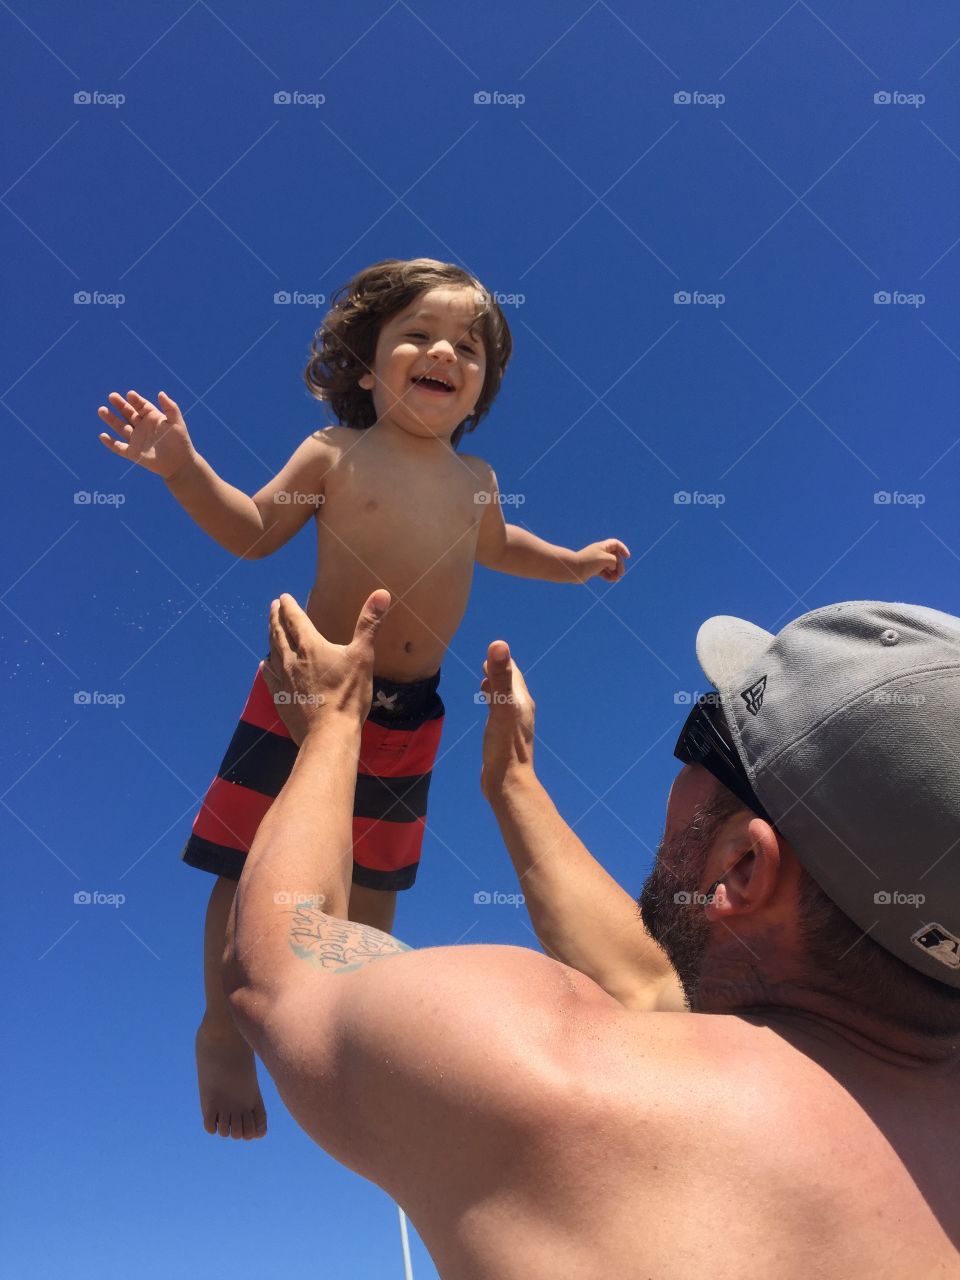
338,946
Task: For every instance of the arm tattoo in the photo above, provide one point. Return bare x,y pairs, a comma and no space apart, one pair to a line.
338,946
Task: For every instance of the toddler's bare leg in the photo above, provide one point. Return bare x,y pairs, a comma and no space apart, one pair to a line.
230,1099
375,907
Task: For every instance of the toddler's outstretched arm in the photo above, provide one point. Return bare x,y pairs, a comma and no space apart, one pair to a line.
510,548
157,439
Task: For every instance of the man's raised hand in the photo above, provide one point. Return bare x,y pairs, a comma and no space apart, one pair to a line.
309,677
154,438
508,737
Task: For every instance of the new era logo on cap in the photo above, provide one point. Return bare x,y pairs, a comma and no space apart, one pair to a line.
753,696
939,943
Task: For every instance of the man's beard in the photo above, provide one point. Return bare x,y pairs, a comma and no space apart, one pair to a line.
672,910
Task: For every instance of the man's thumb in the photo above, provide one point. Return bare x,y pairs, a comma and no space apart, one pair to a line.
498,667
371,615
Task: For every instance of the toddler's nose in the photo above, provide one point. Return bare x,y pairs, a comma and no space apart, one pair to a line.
442,350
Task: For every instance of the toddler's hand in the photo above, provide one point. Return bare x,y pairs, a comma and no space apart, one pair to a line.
154,438
602,559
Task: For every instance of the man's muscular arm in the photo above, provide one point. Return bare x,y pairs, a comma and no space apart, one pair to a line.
580,914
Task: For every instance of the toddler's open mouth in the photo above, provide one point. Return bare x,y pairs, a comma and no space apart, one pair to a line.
438,386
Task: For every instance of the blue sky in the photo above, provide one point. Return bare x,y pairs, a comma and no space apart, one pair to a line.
781,399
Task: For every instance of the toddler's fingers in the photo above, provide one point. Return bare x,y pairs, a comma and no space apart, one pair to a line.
140,403
111,419
118,402
115,446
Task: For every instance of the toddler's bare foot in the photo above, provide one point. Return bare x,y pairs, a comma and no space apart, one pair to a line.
230,1100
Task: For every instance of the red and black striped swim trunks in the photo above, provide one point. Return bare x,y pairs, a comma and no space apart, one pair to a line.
398,745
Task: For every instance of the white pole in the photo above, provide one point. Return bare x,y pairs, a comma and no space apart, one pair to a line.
405,1242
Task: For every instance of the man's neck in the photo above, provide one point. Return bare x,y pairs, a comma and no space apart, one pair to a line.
826,1027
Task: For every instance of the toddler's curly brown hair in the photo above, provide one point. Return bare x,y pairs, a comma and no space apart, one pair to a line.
343,348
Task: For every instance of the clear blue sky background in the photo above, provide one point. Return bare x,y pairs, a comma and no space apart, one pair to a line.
597,199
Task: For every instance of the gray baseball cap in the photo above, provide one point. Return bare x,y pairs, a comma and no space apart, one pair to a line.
848,725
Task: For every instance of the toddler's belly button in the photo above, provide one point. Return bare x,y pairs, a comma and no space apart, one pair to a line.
408,646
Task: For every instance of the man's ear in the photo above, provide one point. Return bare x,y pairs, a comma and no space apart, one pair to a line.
754,861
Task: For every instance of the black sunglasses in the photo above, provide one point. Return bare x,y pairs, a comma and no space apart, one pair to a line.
705,740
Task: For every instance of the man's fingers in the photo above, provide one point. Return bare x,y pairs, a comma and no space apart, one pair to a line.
371,615
294,621
279,645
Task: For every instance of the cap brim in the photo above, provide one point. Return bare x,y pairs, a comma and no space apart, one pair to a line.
726,646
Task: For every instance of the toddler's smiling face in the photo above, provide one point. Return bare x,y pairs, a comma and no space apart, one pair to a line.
430,363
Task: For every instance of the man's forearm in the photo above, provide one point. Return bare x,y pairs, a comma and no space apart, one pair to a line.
227,514
527,556
302,852
579,912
